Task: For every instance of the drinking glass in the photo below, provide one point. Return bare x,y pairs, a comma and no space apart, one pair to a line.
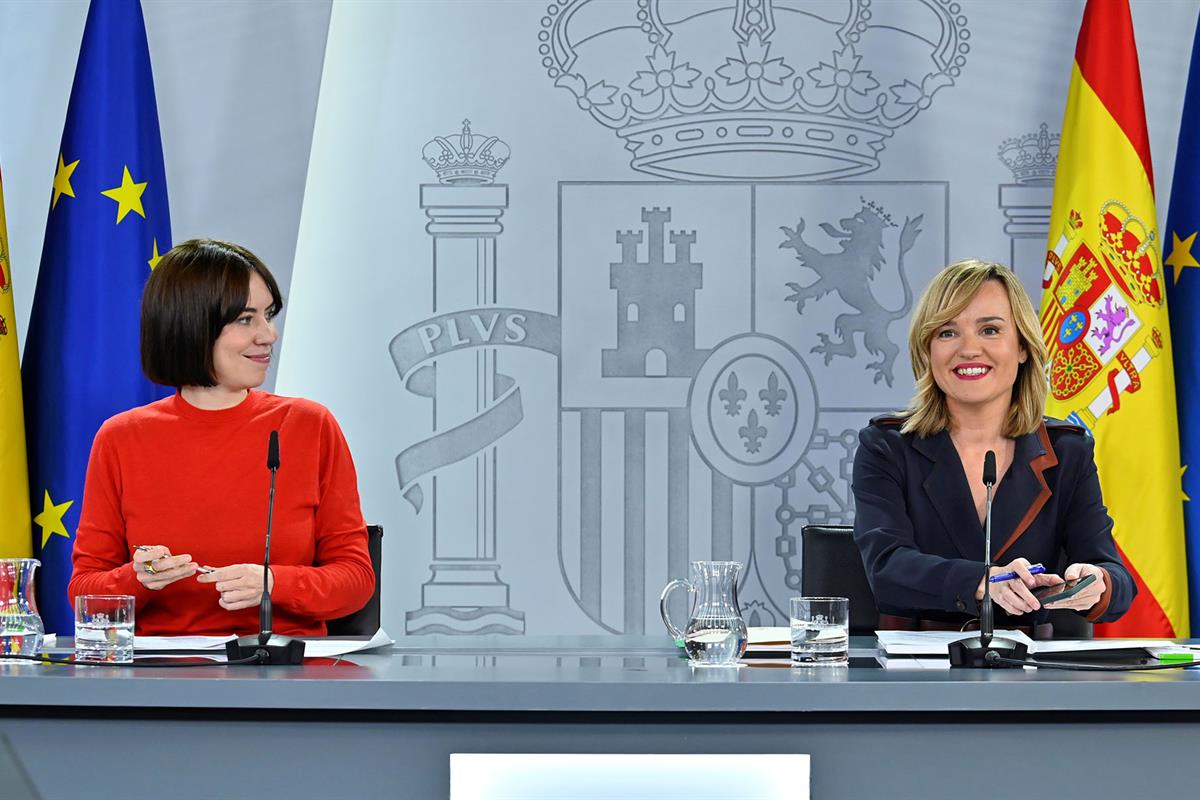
820,629
104,628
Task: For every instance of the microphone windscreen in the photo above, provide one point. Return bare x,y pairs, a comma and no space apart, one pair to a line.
273,452
989,467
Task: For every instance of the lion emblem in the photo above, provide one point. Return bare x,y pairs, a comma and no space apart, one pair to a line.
849,273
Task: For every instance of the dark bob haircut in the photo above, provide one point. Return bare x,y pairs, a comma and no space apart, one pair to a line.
197,289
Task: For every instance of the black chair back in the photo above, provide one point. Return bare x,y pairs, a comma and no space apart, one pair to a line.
832,567
365,621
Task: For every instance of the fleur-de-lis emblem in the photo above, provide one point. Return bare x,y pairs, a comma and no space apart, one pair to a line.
752,433
772,396
732,396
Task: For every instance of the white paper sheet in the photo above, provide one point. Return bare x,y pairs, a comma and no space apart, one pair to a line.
930,643
913,662
775,635
1095,645
935,643
214,646
150,643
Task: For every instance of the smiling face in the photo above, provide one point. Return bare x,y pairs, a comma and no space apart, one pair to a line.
242,352
974,357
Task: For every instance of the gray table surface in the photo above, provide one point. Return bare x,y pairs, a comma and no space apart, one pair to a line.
587,673
384,724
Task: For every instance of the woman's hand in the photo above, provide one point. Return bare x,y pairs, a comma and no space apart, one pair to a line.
155,567
1016,596
1089,595
240,585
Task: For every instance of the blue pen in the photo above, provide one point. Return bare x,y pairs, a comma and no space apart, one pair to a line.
1036,569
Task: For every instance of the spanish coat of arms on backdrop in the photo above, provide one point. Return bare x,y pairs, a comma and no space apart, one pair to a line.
731,312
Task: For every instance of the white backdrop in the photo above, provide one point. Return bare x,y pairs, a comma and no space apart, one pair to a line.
534,487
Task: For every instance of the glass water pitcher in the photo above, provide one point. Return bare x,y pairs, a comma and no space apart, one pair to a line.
20,624
715,635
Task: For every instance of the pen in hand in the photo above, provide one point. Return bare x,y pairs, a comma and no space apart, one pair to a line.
204,570
1036,569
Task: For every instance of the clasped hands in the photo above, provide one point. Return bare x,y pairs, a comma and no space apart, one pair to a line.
239,585
1016,596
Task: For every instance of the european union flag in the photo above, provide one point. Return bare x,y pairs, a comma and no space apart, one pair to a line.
1183,300
107,224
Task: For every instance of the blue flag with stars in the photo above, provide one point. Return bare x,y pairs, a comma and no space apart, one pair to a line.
108,221
1182,273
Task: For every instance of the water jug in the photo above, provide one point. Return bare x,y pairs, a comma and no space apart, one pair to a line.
715,635
20,624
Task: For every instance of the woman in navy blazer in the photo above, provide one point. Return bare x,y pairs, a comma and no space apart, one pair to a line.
979,362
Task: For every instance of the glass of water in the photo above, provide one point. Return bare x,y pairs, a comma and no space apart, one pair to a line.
820,631
104,628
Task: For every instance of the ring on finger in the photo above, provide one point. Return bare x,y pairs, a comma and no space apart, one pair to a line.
149,569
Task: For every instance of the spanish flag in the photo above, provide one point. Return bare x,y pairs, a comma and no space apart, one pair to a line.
14,486
1104,317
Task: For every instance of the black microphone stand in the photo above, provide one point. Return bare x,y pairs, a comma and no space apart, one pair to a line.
265,646
985,650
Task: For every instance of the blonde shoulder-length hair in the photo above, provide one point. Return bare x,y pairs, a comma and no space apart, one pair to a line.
950,292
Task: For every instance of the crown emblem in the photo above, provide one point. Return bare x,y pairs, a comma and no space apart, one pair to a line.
1032,157
1129,246
465,158
753,89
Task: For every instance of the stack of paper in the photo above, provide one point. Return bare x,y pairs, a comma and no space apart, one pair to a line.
214,646
935,643
768,643
930,649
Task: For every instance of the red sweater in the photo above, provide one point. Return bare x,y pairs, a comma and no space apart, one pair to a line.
196,481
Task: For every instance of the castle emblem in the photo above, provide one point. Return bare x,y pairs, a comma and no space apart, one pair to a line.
754,89
656,328
1099,346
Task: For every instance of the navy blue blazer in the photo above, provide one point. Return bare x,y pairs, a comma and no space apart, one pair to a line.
920,536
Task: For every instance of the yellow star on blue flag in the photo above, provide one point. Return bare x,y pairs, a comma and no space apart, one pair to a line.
128,196
1183,303
51,518
1181,254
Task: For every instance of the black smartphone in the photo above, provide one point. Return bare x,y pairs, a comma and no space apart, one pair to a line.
1061,591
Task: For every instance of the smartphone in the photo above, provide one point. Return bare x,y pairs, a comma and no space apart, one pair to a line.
1061,591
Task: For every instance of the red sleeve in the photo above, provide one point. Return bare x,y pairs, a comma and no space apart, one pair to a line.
341,580
100,559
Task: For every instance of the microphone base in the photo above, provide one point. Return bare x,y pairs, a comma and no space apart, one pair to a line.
974,654
277,649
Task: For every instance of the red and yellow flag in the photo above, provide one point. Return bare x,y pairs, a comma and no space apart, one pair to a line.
14,486
1104,317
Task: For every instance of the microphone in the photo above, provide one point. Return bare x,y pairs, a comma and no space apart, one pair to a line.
985,650
267,647
986,626
264,606
989,464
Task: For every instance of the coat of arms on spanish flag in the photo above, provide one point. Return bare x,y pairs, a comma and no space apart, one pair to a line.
1105,322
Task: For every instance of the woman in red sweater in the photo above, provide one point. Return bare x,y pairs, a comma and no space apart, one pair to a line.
175,501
